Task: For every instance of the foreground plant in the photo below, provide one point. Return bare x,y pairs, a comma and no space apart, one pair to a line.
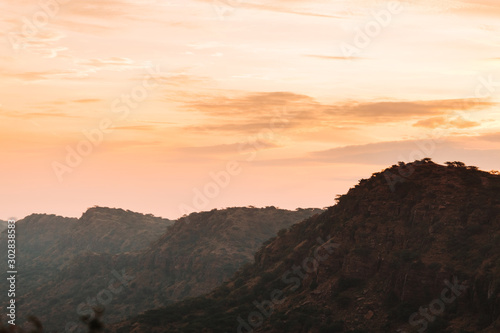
94,324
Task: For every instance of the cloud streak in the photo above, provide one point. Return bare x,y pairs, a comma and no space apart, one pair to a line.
446,122
250,112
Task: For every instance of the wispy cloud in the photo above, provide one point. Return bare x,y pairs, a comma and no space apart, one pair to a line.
388,111
288,9
136,128
112,64
251,111
106,9
235,127
283,7
340,58
446,122
492,137
228,148
248,105
82,69
45,75
45,42
476,7
87,100
31,115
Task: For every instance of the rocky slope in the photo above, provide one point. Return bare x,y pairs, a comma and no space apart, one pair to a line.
214,245
3,225
192,257
46,245
35,236
415,248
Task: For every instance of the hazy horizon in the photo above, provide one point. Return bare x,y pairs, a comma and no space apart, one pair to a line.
17,218
79,214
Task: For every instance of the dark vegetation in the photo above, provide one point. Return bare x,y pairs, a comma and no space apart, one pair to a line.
65,262
93,324
402,233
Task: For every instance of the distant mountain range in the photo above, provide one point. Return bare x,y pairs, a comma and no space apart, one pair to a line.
66,264
46,244
415,248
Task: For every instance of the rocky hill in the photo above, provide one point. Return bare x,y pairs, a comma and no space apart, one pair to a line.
415,248
3,225
35,236
214,245
110,262
47,243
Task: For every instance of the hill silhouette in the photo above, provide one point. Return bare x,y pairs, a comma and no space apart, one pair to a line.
3,225
66,265
413,248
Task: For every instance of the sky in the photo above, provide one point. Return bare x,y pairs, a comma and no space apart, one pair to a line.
169,107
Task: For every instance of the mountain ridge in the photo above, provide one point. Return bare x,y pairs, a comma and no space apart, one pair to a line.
400,249
168,267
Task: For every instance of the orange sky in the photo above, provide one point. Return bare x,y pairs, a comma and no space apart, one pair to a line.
140,104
